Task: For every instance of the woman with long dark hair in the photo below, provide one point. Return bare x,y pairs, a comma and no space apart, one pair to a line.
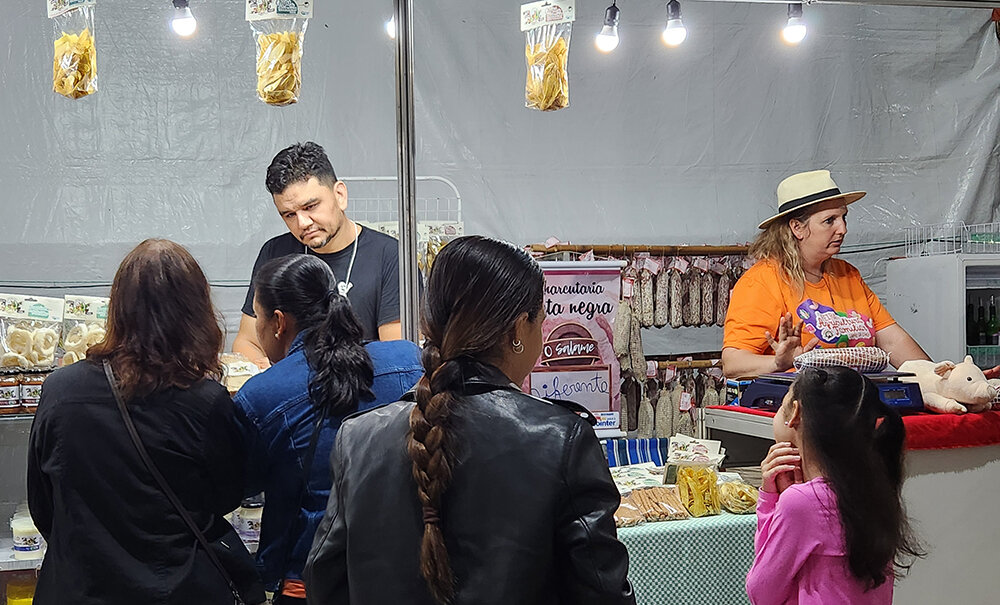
113,535
472,492
831,527
322,372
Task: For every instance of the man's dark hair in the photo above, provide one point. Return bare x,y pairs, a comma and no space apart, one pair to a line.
299,163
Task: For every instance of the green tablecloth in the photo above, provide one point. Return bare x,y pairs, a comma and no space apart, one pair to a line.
692,562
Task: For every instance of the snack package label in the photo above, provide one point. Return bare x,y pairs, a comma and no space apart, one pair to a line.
16,306
58,7
10,396
86,308
537,14
685,404
836,328
258,10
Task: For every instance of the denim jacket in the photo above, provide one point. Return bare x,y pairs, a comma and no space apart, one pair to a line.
278,420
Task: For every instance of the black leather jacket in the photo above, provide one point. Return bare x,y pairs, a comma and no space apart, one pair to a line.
528,517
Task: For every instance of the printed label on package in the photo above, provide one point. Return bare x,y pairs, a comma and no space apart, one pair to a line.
16,306
58,7
537,14
258,10
86,308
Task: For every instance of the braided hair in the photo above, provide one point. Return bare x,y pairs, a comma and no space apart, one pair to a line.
858,442
303,286
476,291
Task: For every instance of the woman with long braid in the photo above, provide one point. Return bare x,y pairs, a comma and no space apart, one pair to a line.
471,492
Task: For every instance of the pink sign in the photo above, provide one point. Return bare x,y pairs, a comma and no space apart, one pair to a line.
578,361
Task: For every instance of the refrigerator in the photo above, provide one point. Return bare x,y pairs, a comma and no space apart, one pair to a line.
929,297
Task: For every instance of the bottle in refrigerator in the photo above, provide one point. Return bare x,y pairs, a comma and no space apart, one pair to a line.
993,325
971,329
981,322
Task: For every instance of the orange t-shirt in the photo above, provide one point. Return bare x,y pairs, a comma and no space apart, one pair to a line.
840,310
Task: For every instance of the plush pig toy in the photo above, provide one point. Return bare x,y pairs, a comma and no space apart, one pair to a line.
950,388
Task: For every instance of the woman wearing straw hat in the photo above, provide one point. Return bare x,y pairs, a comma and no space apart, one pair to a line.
798,296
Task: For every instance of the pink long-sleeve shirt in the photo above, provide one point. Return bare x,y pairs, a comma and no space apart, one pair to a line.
800,554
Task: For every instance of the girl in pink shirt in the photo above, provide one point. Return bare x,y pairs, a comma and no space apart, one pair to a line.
831,528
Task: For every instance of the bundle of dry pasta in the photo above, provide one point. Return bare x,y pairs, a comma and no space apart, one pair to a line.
699,491
74,57
628,514
547,26
279,29
738,498
279,68
659,503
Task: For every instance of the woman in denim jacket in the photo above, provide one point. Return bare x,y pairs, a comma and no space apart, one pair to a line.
322,372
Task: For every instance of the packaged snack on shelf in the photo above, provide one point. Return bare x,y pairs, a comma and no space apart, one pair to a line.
662,503
29,330
31,391
699,490
84,319
737,497
628,514
10,394
547,27
74,60
279,30
236,370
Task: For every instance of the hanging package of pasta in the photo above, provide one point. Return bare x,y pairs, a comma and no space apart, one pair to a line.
29,330
279,28
74,60
547,27
84,319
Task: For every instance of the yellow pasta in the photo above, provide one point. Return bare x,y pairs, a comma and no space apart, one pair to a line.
738,498
74,65
279,68
698,490
547,87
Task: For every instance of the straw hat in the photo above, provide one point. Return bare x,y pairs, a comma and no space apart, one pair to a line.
808,188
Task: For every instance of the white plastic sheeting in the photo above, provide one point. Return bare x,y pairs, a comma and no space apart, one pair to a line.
658,145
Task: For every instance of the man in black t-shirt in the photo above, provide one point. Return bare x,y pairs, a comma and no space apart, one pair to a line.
312,202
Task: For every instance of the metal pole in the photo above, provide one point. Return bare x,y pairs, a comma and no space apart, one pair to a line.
409,276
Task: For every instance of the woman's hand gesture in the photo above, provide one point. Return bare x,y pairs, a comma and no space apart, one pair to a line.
788,344
781,467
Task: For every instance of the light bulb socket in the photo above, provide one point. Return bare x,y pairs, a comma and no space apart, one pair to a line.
611,16
674,10
795,10
180,4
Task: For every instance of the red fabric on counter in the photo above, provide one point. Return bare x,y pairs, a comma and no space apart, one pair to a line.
928,431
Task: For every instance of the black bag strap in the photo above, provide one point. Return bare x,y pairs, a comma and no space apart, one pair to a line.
166,487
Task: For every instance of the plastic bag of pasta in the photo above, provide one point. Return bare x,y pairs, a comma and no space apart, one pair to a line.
84,319
29,330
547,27
74,59
699,490
279,30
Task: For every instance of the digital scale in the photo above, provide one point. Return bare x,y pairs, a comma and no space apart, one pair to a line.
767,391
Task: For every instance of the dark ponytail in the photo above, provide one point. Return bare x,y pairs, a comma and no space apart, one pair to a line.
303,287
858,442
476,290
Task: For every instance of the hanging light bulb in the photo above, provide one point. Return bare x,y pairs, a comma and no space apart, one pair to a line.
607,40
183,23
795,30
390,27
674,33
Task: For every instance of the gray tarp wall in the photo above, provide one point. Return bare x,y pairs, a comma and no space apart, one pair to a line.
658,145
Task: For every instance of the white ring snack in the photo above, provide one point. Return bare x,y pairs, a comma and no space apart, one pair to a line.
83,326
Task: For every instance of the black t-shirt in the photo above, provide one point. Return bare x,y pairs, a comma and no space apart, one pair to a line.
375,294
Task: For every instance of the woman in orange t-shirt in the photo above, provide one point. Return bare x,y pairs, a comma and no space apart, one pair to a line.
797,296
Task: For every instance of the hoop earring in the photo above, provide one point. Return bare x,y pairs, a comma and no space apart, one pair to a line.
518,347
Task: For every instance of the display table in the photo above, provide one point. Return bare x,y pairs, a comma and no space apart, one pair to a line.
696,561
